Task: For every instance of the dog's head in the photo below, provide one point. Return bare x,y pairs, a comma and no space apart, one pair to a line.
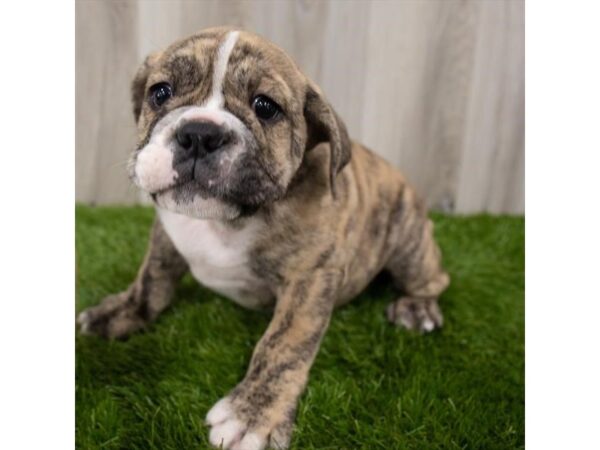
224,120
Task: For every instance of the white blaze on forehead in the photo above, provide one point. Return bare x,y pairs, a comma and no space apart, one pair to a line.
216,99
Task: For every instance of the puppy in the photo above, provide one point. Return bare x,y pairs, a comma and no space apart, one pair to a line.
261,194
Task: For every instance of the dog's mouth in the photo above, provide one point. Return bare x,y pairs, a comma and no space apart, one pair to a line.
189,198
184,191
172,188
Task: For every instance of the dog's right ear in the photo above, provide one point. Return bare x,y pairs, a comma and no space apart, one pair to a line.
324,125
138,85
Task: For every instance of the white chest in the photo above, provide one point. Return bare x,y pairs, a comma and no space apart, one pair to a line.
218,256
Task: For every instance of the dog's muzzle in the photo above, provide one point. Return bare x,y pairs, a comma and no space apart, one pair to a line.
198,145
197,159
198,139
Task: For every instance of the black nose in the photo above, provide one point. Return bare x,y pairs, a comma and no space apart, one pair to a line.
200,138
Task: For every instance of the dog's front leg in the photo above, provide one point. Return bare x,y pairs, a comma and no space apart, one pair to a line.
119,315
260,411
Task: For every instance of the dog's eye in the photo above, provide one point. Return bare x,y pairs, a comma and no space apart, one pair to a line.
265,108
160,93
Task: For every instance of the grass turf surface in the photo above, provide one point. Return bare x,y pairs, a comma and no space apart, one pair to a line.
373,386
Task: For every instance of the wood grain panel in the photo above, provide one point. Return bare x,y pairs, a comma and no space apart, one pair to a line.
343,61
418,77
436,87
106,53
492,164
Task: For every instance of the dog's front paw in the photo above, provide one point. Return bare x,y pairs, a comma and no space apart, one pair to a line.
238,426
420,314
116,317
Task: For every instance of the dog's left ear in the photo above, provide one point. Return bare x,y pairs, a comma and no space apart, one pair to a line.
138,85
324,125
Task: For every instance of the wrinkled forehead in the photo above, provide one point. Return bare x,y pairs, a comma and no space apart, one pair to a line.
244,62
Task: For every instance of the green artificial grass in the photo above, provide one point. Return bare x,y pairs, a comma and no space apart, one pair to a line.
373,386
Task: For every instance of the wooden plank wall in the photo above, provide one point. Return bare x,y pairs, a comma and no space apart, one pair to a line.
434,86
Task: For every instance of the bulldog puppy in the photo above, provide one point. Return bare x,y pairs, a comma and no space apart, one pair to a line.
260,193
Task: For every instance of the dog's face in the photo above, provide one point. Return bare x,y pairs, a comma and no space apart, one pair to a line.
224,120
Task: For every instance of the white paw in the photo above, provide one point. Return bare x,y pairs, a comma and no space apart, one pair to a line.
84,320
251,441
427,325
228,431
422,315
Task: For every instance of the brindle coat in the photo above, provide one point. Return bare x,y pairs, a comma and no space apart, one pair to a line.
335,215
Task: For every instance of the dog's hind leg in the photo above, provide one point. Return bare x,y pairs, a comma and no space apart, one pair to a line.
119,315
416,268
